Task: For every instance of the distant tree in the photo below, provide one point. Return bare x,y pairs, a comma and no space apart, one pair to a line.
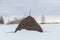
43,19
1,20
16,19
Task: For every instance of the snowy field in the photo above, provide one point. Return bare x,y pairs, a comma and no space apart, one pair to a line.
51,32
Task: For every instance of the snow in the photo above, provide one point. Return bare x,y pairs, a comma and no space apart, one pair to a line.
51,32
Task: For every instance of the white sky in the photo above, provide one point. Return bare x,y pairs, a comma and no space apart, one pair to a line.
20,7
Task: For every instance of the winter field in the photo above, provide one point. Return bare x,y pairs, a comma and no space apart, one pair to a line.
51,32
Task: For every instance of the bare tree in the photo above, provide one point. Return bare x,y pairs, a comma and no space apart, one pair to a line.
43,19
1,20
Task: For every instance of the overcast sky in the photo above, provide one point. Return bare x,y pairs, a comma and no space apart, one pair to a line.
38,7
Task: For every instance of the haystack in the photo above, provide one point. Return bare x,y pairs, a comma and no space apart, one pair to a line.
29,23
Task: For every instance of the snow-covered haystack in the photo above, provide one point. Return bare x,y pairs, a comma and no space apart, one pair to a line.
29,23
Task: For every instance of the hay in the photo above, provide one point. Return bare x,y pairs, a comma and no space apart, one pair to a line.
29,23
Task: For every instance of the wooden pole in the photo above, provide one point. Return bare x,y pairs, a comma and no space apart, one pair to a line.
30,12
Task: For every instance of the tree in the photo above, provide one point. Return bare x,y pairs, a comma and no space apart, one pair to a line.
1,20
43,19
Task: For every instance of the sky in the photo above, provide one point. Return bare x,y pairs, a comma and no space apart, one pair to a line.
22,7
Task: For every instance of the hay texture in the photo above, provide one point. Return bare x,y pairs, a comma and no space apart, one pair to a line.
29,23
